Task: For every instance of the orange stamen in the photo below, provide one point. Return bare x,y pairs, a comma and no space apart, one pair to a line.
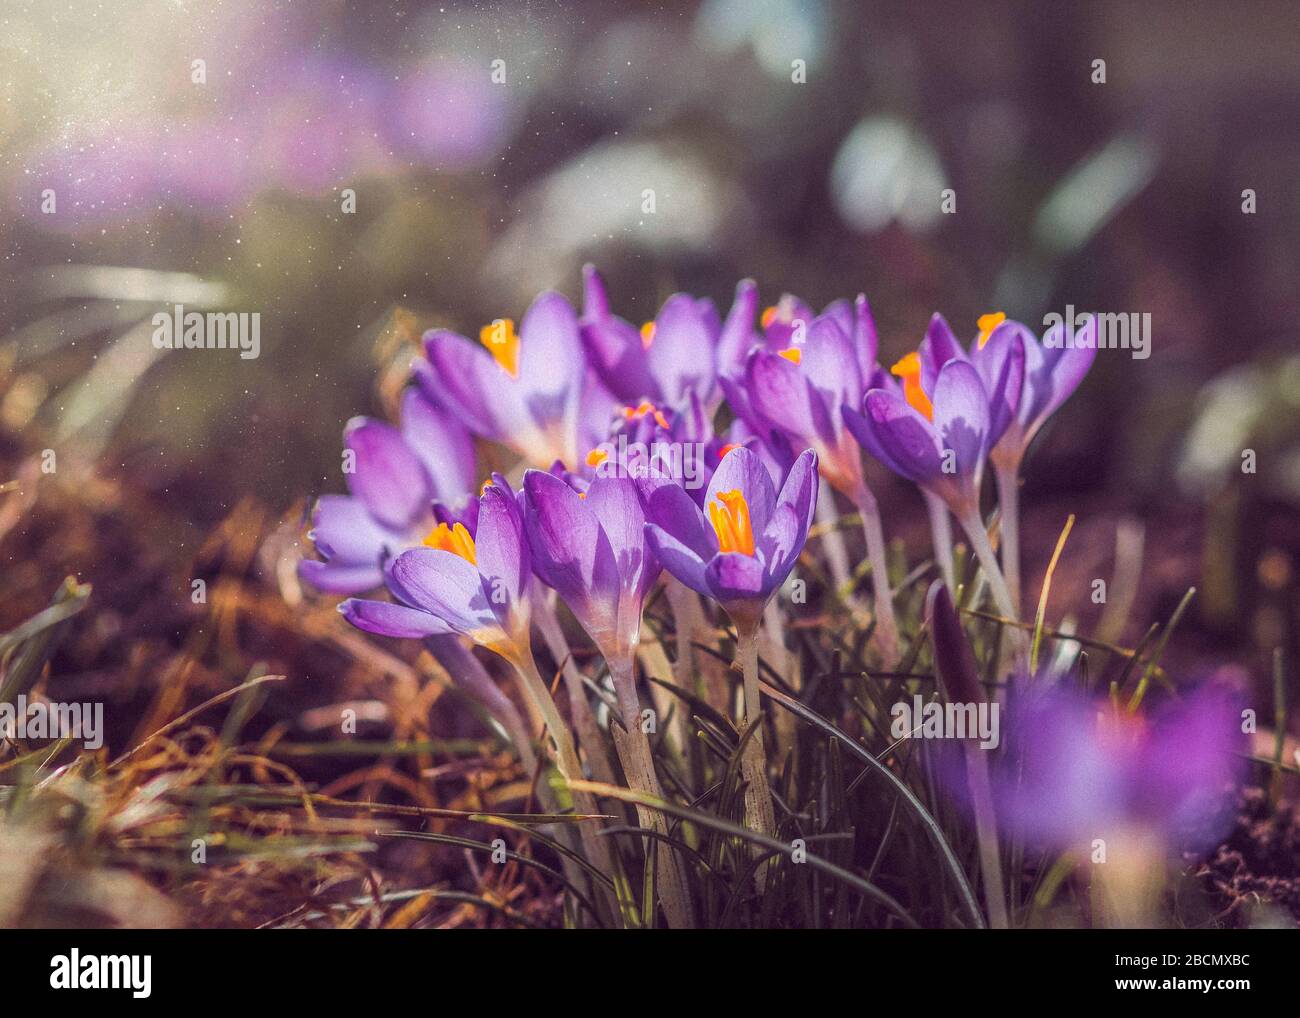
503,343
596,457
792,353
768,316
453,539
987,323
909,370
729,514
647,334
722,453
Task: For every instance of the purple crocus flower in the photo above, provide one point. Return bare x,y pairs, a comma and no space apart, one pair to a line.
475,586
664,360
937,429
801,391
937,432
743,551
1050,370
531,390
396,476
1053,369
1076,769
591,548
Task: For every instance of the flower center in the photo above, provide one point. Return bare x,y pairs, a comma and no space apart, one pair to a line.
792,353
503,344
729,514
635,413
987,323
909,370
453,539
647,335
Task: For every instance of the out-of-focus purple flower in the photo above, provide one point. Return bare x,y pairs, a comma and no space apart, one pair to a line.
748,543
475,586
1076,769
402,482
938,428
664,360
530,390
447,114
591,548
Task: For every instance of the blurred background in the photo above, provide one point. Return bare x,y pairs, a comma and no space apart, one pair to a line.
493,148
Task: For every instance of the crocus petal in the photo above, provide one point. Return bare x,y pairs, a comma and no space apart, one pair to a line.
335,578
780,543
448,586
863,430
830,364
939,347
865,338
570,551
681,355
464,377
953,659
388,477
910,442
616,505
670,507
780,393
345,532
679,559
502,553
442,444
387,619
799,491
961,415
613,346
742,470
1006,391
734,577
737,337
551,364
1067,366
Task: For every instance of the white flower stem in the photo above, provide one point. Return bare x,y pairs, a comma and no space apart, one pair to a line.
941,536
589,736
1009,503
634,753
986,834
760,815
874,533
566,761
979,539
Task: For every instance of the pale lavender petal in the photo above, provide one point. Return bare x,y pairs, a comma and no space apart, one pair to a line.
442,444
682,350
937,349
387,619
736,577
502,553
334,578
961,416
551,362
738,336
910,443
779,392
388,477
445,585
344,531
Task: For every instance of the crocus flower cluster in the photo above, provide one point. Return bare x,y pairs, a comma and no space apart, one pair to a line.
725,520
